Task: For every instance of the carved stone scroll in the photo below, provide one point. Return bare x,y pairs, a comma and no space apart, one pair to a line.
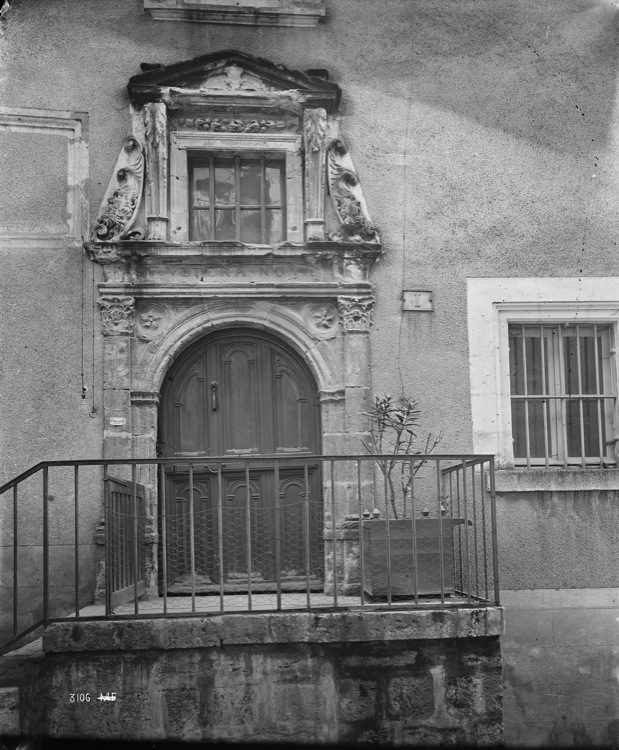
117,315
347,197
122,199
155,132
314,131
356,312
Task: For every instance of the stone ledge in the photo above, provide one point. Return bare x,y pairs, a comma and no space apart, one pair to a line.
280,627
555,480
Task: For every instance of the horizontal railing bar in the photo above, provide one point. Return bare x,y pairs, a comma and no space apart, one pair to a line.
242,457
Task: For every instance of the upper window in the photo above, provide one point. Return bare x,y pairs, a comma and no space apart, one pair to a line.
562,394
237,197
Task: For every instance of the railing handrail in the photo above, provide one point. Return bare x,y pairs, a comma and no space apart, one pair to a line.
243,457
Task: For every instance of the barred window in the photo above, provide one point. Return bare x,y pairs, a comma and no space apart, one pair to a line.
237,197
563,394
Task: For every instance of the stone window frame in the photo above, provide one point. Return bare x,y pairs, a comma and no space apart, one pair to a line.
185,141
493,303
74,127
297,13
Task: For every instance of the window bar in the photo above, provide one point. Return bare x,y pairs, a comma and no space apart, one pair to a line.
164,537
334,539
306,523
581,413
387,533
237,200
220,535
483,525
136,568
278,537
192,541
76,485
475,539
263,211
45,542
495,554
598,400
414,531
108,520
563,400
451,474
15,566
437,467
545,402
527,436
361,540
466,532
248,522
211,196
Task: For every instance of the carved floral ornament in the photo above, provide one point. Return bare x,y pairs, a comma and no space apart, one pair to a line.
322,318
356,312
123,196
235,125
116,315
347,197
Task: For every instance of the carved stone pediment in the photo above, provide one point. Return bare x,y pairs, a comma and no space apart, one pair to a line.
232,76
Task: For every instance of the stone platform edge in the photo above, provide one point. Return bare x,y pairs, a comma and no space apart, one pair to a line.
274,627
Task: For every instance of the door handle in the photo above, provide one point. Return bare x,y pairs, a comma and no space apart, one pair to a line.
214,395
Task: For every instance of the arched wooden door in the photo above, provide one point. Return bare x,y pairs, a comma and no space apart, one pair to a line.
242,392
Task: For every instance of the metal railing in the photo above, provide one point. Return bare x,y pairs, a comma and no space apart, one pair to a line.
158,537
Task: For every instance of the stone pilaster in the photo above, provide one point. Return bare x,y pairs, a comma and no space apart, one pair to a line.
117,314
155,133
314,131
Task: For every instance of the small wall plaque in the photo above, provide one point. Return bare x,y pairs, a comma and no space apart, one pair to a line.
117,421
417,301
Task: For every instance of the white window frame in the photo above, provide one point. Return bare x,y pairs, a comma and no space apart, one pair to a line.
182,143
492,305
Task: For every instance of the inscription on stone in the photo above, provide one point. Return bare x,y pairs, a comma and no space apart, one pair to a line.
227,272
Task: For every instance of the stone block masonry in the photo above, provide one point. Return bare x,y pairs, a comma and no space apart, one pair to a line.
258,681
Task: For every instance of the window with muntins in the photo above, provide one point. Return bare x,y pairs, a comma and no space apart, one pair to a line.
237,197
563,393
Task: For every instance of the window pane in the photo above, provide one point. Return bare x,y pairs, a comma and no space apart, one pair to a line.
251,226
274,183
225,194
251,178
518,429
571,364
201,228
535,383
572,411
200,186
225,228
536,429
275,225
592,432
516,376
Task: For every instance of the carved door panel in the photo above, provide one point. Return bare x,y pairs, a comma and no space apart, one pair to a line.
241,393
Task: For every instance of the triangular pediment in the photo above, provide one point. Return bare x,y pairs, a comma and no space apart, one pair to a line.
232,74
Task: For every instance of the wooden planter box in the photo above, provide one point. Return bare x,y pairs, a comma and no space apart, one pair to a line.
427,561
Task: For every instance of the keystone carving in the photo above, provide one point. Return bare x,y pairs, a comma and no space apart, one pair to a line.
356,312
315,128
347,197
116,315
236,125
123,196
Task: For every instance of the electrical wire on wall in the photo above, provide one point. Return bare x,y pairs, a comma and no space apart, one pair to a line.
404,219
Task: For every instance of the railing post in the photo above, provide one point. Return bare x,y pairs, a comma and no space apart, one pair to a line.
437,466
220,535
361,539
334,543
45,544
76,484
278,537
387,532
107,557
414,532
495,554
164,536
192,543
306,524
136,561
15,566
248,521
466,531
